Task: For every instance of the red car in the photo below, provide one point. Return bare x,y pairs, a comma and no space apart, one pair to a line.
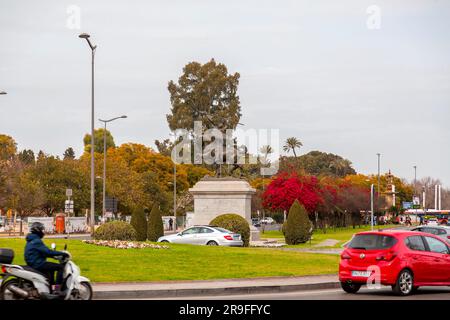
402,259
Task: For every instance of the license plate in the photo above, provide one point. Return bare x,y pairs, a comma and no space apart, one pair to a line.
236,237
364,274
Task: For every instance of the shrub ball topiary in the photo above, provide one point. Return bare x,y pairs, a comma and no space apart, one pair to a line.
115,230
234,223
155,228
139,223
298,225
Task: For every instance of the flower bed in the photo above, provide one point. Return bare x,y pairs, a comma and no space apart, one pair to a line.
125,244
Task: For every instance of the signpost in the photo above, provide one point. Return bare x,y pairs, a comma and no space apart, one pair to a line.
68,208
407,205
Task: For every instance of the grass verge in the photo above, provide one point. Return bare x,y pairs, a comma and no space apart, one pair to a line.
342,235
184,262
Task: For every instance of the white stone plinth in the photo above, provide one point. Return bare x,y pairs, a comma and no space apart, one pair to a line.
216,196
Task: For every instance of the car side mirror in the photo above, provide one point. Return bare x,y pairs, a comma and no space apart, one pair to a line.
53,246
179,234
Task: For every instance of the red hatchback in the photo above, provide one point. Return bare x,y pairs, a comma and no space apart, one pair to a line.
404,260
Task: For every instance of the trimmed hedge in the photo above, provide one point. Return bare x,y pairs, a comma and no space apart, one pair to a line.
115,230
155,228
139,223
298,226
234,223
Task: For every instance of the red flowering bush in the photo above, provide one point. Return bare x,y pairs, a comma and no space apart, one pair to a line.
288,187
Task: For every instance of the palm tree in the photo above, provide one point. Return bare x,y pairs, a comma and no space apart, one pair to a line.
266,150
292,143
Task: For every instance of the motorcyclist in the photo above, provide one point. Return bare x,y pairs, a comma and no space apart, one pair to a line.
36,253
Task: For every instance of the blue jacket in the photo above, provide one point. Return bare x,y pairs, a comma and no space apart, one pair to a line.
36,252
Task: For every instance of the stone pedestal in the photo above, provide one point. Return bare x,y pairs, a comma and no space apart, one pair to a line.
216,196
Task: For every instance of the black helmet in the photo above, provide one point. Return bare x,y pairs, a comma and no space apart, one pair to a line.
37,228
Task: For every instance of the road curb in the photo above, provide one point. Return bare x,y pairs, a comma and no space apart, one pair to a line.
224,291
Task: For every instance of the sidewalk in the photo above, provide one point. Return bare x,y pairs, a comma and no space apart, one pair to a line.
167,289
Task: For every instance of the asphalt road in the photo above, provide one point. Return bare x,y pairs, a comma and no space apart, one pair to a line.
385,293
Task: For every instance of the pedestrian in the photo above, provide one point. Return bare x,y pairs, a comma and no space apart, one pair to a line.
170,224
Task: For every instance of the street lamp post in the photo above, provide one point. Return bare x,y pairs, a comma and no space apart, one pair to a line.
372,191
379,160
86,37
415,186
104,161
415,180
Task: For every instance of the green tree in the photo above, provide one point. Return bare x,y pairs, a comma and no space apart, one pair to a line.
318,163
205,93
26,157
8,147
27,194
69,154
98,134
292,143
139,223
54,177
298,226
164,147
155,228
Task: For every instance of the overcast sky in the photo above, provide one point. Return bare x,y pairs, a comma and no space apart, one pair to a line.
312,69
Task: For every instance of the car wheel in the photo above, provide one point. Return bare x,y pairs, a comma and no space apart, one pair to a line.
350,287
164,241
404,285
212,243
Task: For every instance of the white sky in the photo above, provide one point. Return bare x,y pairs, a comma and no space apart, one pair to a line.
311,69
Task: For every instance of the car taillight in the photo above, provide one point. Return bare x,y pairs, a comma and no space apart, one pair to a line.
345,256
3,269
228,237
387,257
448,237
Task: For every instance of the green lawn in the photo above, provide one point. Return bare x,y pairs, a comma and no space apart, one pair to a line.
341,234
185,262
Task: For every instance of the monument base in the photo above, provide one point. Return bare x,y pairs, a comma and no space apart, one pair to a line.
254,233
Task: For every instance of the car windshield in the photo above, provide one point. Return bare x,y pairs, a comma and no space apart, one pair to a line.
222,230
372,242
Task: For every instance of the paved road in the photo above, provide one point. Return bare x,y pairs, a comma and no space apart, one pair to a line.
426,293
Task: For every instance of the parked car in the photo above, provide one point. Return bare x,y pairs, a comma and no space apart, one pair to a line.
440,231
256,222
205,235
267,220
432,222
406,260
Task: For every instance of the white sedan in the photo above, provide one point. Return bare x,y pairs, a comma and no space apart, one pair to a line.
205,235
267,220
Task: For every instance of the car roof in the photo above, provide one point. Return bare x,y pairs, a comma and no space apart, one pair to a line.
394,232
435,227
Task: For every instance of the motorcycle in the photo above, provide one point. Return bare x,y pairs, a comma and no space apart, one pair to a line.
23,282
